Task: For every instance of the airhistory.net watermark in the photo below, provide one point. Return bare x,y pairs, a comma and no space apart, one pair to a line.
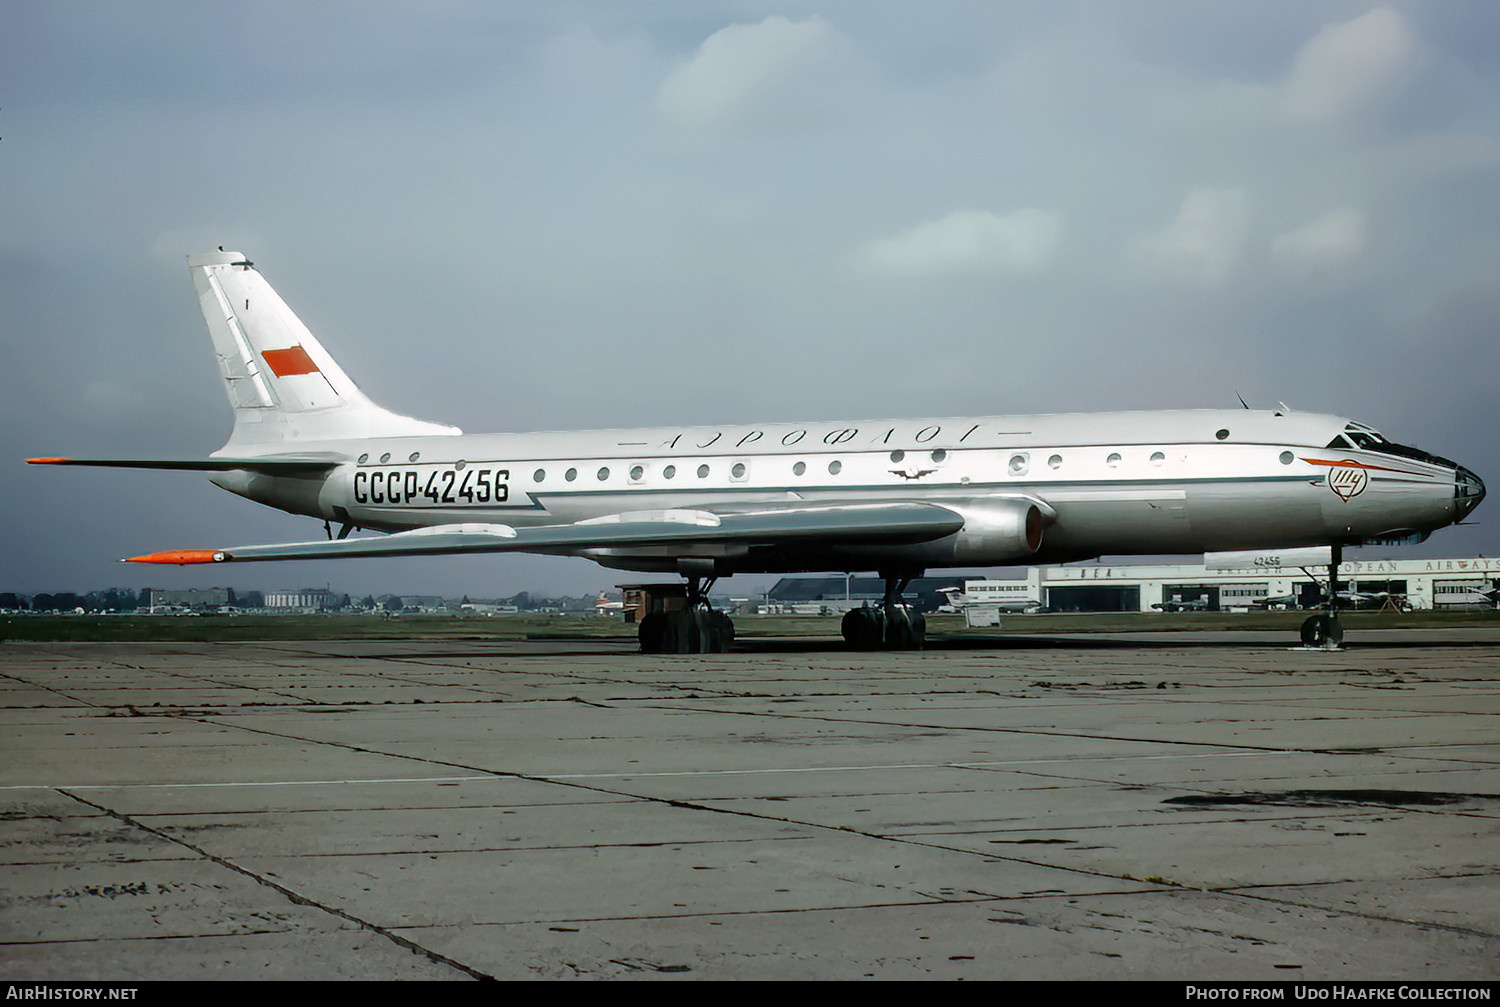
47,991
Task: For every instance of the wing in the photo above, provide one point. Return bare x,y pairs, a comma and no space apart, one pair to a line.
887,523
274,464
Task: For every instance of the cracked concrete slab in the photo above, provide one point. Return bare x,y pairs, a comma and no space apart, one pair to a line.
406,809
1156,935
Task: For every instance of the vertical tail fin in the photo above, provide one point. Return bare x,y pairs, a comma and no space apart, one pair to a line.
282,384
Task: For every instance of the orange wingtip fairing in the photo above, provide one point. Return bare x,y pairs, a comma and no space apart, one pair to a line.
48,461
292,360
181,557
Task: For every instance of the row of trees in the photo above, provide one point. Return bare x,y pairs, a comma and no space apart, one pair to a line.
117,599
114,600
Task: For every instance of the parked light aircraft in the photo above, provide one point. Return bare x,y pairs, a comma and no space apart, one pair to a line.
1183,605
959,599
604,606
894,496
1371,599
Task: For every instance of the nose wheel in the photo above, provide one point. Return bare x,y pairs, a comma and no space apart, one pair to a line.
1324,631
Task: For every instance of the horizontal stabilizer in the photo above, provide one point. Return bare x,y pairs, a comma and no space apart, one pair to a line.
284,464
888,524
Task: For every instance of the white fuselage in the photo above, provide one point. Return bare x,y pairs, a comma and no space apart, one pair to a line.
1105,483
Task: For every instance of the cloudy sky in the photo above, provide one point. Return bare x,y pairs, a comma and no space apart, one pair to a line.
516,216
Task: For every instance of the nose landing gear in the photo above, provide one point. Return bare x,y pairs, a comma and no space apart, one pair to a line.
1322,632
1325,632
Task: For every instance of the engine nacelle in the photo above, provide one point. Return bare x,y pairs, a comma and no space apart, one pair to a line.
997,532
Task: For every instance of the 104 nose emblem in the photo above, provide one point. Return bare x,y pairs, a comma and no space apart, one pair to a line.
1348,482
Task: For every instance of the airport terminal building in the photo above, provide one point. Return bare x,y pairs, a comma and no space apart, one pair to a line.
1376,583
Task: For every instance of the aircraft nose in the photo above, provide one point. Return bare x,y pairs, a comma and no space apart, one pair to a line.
1468,490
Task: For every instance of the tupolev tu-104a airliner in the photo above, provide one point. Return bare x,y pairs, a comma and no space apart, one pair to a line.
897,497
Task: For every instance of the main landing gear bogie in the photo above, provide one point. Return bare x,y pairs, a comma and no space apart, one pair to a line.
891,625
900,628
695,628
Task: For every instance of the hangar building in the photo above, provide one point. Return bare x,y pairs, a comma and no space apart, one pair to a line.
1376,583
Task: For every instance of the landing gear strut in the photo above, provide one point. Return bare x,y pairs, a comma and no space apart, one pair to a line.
894,625
1324,631
695,628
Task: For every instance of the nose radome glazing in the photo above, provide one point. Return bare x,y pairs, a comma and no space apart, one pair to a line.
1468,491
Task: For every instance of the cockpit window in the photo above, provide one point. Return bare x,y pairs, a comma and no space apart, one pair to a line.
1415,454
1358,435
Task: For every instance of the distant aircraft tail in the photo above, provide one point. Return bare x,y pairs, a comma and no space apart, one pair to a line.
284,387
